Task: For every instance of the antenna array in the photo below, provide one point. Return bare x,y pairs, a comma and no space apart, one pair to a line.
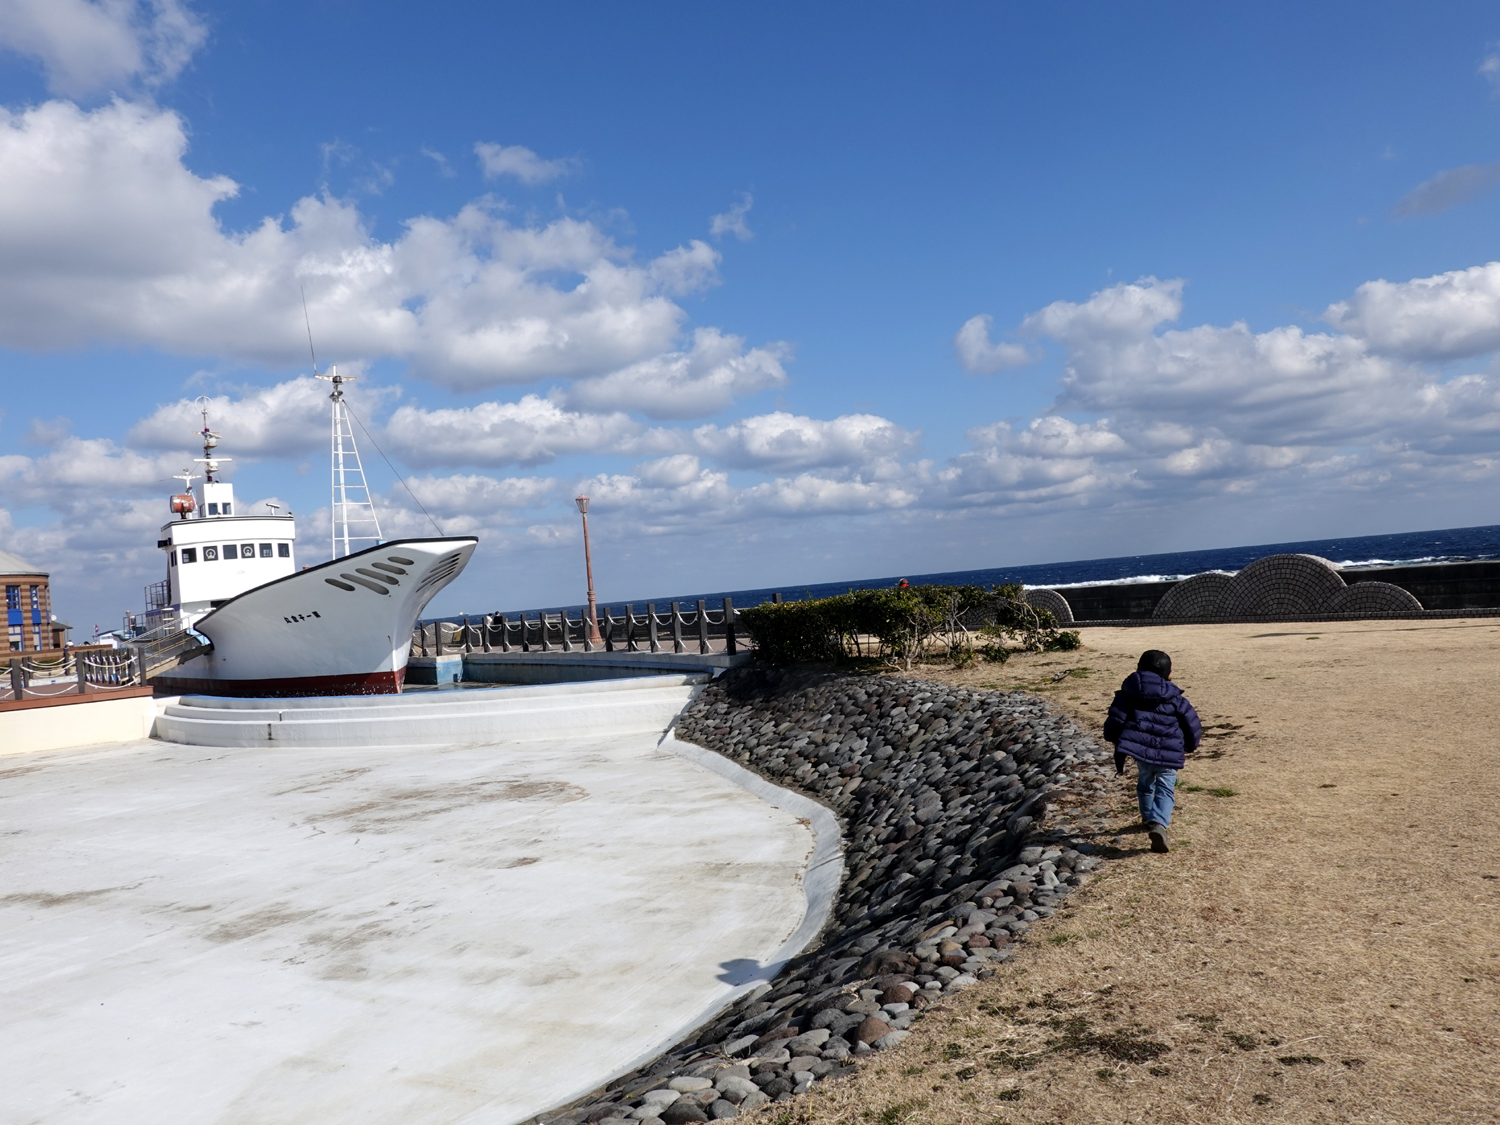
355,525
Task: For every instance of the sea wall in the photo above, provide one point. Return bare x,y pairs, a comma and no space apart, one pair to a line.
1441,588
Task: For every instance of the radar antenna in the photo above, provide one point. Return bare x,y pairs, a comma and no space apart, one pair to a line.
209,460
354,518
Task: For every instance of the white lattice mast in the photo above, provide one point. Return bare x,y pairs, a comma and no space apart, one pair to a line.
354,519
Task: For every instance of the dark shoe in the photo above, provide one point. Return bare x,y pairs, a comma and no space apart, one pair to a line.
1159,841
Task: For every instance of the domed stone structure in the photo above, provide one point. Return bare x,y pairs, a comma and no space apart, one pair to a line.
1195,597
1371,599
1053,602
1285,586
1282,585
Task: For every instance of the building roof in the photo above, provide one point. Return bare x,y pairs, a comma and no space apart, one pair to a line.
9,564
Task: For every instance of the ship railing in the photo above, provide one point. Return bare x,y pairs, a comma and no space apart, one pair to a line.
675,629
73,673
160,653
152,625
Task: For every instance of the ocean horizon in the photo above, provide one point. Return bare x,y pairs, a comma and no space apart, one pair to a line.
1459,544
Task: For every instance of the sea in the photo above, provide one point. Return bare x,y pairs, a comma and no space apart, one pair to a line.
1458,544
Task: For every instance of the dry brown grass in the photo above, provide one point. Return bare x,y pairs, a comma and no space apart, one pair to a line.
1319,947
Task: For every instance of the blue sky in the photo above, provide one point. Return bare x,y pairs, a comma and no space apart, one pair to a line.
1236,266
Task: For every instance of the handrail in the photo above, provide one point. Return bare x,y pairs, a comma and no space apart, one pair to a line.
86,672
620,630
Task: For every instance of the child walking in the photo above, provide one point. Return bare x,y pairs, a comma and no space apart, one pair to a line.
1151,721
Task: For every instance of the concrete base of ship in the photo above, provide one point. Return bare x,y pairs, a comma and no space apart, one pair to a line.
500,714
355,683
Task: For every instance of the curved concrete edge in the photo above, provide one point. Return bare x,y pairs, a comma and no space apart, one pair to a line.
638,706
820,880
428,698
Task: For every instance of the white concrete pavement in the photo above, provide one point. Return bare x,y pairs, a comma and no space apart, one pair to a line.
280,935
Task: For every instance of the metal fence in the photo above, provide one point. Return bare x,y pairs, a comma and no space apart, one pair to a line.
73,673
698,629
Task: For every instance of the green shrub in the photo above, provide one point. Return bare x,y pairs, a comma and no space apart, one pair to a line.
902,626
994,653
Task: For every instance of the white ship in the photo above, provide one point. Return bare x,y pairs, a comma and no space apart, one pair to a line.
342,627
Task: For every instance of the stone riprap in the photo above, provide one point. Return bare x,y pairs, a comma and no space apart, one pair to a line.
940,793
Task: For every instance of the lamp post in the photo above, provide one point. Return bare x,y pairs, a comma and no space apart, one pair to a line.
588,566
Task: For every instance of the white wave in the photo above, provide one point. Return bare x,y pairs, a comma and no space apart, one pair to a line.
1134,580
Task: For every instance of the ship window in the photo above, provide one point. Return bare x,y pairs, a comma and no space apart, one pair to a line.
403,562
247,550
213,509
210,554
283,550
227,506
231,551
172,558
190,554
340,585
265,551
388,567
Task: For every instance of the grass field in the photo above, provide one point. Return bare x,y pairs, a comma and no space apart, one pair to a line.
1323,942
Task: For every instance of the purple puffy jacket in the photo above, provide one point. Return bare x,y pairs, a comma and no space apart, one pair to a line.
1152,721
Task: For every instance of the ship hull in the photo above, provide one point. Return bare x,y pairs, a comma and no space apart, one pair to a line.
341,628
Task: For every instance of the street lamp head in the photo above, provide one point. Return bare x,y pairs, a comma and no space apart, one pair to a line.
583,504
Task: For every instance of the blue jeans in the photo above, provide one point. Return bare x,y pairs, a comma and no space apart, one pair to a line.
1154,787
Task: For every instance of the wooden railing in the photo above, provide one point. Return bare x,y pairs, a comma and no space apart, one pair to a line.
698,629
70,673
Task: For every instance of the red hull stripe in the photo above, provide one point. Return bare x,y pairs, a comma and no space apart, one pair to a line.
356,683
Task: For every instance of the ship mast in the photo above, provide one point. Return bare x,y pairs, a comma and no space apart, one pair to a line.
353,511
210,460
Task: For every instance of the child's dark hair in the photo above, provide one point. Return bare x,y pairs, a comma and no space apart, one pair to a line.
1154,660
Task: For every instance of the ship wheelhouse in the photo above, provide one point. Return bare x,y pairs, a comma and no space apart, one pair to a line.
216,552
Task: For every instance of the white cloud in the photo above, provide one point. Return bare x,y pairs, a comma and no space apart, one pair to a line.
536,430
976,353
108,237
661,499
782,442
520,162
1447,316
85,46
812,494
733,220
444,168
76,472
1489,68
670,472
1147,410
532,431
692,384
475,494
1448,189
283,420
1121,312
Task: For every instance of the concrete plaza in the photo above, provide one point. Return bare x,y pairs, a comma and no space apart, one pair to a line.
282,935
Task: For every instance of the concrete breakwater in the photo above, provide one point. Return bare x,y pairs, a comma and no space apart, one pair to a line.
941,794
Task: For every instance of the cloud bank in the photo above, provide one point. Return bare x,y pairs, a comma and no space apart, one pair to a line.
109,238
85,47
